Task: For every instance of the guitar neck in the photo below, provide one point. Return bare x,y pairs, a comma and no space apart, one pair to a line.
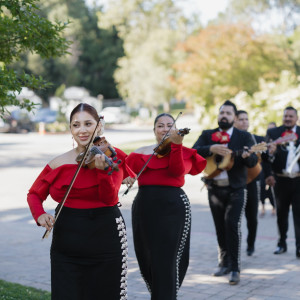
240,152
284,140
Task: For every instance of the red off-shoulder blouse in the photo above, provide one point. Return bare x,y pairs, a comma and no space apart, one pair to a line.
92,188
168,170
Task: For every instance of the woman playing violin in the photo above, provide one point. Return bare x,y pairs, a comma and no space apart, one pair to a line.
161,215
89,246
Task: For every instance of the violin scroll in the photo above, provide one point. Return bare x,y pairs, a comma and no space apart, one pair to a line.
165,148
184,131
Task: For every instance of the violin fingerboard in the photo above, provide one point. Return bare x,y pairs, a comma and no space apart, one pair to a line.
96,150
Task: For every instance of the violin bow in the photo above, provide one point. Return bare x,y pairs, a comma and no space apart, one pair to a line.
144,166
61,204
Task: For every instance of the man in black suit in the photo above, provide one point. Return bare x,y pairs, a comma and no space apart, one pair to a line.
227,190
267,191
286,174
253,187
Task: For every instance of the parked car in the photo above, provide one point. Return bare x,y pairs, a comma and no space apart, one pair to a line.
115,115
45,115
19,121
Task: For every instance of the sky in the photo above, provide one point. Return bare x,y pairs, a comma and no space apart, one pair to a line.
207,10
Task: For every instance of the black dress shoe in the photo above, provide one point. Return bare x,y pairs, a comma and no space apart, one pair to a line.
280,250
298,253
221,271
250,251
234,278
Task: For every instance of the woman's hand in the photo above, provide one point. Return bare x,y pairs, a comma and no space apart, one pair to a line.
46,220
129,181
100,161
175,137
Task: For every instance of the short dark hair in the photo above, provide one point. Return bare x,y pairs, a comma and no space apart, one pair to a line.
163,115
239,112
229,103
85,107
291,108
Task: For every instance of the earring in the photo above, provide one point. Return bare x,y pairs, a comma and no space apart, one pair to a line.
73,141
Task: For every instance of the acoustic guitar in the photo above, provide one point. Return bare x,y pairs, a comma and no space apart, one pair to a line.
217,163
253,172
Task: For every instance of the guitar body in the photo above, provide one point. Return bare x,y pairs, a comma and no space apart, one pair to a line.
226,162
253,172
216,164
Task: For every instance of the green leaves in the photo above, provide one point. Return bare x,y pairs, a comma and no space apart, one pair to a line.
21,30
224,59
150,31
11,84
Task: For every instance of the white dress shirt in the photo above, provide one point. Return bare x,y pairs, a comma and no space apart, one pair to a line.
223,174
291,155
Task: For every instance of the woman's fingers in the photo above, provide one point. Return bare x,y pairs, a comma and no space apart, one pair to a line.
46,221
100,161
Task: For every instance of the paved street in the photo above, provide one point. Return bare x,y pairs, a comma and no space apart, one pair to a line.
24,258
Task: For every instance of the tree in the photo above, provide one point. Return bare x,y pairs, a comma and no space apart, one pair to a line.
93,53
285,12
269,101
21,30
222,60
280,17
150,30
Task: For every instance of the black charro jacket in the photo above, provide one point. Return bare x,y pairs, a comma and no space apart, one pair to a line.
280,156
239,139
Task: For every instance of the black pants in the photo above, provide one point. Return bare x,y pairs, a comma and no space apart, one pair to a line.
161,222
89,255
227,207
251,210
287,191
265,193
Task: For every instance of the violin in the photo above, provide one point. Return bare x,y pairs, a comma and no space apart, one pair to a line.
165,147
101,146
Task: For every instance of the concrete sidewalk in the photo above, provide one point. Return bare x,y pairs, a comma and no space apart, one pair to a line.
24,258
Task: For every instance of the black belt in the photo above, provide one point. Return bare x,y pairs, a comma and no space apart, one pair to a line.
292,175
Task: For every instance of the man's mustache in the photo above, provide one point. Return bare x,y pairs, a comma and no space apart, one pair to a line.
224,120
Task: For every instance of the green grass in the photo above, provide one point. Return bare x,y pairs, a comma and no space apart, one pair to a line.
14,291
188,141
132,146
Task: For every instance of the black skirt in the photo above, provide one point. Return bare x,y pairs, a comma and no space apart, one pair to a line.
161,222
89,255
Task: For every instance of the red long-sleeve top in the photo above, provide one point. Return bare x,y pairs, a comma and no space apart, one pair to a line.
168,170
92,188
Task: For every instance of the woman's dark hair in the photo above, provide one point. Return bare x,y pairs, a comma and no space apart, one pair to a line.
163,115
85,107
